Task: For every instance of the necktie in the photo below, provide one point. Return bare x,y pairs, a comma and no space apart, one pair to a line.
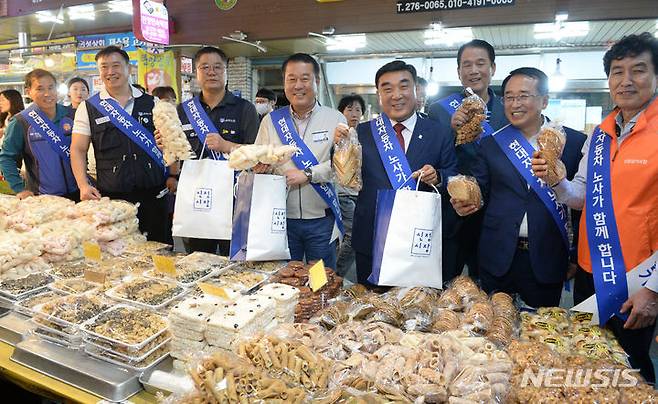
398,134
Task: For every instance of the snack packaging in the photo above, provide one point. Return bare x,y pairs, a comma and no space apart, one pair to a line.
475,109
347,161
465,189
247,156
175,145
551,141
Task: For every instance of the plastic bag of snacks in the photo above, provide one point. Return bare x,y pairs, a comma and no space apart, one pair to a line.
551,141
476,111
465,189
174,142
347,161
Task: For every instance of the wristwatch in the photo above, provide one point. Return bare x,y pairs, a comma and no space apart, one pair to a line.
309,174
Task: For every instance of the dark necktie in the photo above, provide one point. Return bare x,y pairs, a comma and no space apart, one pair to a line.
398,134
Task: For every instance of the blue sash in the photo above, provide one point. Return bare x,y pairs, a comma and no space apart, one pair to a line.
129,127
304,158
519,151
393,158
452,102
606,256
58,141
201,123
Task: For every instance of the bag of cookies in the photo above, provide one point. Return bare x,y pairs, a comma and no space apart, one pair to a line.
551,141
476,111
347,161
465,189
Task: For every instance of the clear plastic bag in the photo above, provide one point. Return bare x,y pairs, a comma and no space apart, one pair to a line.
347,162
476,110
551,141
465,189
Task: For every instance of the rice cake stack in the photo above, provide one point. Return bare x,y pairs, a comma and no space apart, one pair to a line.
286,298
244,318
188,323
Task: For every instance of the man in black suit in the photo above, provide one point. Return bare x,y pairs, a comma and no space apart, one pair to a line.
524,246
476,65
422,145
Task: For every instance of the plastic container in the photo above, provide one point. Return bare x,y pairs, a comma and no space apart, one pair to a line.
266,267
26,306
40,283
118,293
62,285
138,356
137,366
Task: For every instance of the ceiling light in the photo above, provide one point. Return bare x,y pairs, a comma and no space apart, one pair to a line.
350,42
62,89
561,28
47,16
437,35
83,12
557,82
49,62
121,6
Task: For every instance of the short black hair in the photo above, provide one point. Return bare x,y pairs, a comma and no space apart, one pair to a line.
421,82
632,45
477,43
395,66
210,49
107,51
266,93
349,100
541,77
37,74
78,80
304,58
163,92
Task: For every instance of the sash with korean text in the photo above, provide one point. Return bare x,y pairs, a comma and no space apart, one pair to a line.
129,126
201,123
519,152
393,158
608,266
452,102
304,158
57,139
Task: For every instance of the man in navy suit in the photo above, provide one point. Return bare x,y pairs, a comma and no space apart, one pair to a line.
524,245
426,149
476,65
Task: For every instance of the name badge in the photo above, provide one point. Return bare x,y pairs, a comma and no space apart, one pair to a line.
320,136
102,120
187,126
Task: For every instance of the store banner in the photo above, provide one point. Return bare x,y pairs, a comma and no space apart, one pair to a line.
407,239
89,45
260,231
204,200
156,70
151,21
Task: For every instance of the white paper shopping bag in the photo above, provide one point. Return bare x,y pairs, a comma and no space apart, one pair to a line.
204,200
407,239
260,231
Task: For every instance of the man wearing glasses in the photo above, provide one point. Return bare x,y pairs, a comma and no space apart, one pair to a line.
231,120
524,246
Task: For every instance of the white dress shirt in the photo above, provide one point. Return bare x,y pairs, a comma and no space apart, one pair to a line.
408,131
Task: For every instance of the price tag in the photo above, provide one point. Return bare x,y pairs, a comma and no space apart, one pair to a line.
91,251
164,265
95,276
213,290
317,278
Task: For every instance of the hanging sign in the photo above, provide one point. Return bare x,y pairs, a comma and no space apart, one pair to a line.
225,4
420,6
151,21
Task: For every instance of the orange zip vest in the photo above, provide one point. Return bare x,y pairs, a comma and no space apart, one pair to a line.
634,170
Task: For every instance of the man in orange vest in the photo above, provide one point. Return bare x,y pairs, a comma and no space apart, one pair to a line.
617,188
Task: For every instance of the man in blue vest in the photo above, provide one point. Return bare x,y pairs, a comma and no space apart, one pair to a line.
41,137
232,121
476,65
119,123
420,140
524,246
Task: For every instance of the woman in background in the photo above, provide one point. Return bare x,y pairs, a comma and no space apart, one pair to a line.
11,103
78,91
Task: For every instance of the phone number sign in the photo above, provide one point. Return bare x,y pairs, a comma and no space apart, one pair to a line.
420,6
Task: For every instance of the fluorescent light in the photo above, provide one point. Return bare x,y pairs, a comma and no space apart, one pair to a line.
432,89
346,42
559,30
83,12
47,16
561,16
121,6
437,35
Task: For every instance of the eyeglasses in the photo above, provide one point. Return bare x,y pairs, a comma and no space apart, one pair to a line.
523,98
206,67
